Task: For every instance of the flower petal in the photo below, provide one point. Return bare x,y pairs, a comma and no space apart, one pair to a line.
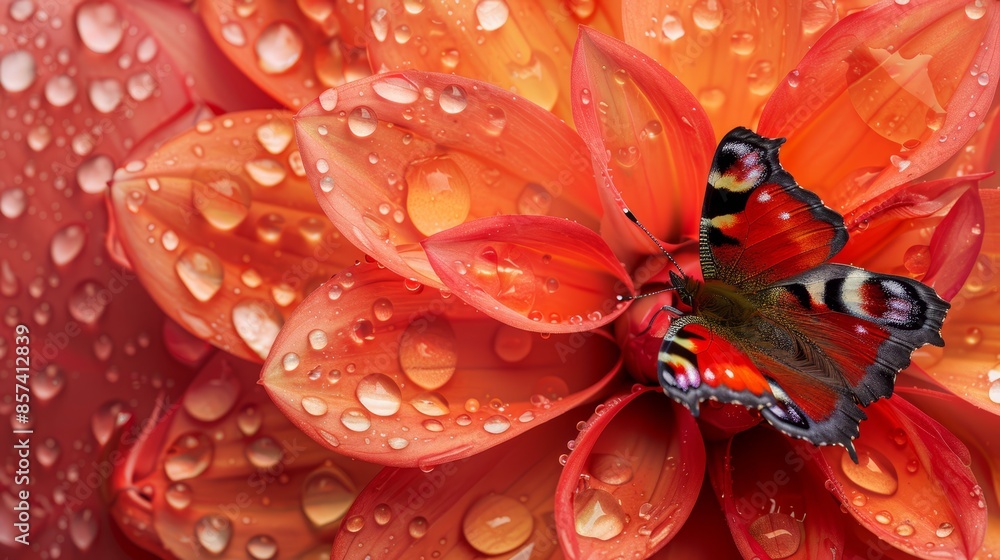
224,473
519,45
976,429
401,156
769,488
292,50
396,373
968,364
932,231
911,483
731,54
535,273
649,138
228,241
498,502
691,541
886,96
629,484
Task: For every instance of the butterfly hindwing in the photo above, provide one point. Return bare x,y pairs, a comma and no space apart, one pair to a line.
697,363
758,226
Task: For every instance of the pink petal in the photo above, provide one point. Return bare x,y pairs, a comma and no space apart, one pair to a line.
975,428
228,242
519,45
648,136
292,50
401,156
534,273
498,502
892,233
885,96
389,371
223,473
769,486
730,54
629,484
912,484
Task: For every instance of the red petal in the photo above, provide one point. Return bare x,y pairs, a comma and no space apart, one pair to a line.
886,96
976,429
892,233
731,54
968,365
629,484
396,373
534,273
912,481
519,45
401,156
700,536
498,502
228,240
224,473
769,488
649,134
292,50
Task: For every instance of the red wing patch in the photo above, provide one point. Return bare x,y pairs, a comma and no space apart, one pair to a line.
696,364
759,226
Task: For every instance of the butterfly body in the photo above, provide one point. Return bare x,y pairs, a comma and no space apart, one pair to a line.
773,325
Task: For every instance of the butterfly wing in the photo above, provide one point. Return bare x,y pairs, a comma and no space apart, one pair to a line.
844,335
697,362
758,226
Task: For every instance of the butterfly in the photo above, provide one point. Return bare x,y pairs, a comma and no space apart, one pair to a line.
773,325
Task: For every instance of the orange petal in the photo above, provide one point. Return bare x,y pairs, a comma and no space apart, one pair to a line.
629,484
886,96
401,156
912,484
228,240
292,50
730,54
968,364
520,45
225,474
386,370
701,537
932,231
976,429
649,137
534,273
498,502
769,486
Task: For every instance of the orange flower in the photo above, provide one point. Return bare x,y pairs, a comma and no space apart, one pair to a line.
417,403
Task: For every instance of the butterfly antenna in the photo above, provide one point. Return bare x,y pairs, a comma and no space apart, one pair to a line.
634,220
640,296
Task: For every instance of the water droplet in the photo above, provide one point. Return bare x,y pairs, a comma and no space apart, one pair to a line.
17,71
379,394
430,404
317,339
327,494
382,514
21,10
973,336
67,244
917,259
438,195
264,453
534,200
275,135
382,309
87,302
354,524
100,26
93,175
492,14
249,420
975,9
944,530
873,472
496,424
60,90
13,203
707,14
512,345
48,383
883,517
610,469
105,94
178,495
417,527
169,240
83,529
598,514
380,24
356,420
761,77
188,456
671,26
453,99
232,33
743,43
314,406
290,361
224,202
214,533
983,79
201,272
262,547
362,122
266,171
496,524
279,47
396,89
257,323
428,353
212,394
778,534
904,530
